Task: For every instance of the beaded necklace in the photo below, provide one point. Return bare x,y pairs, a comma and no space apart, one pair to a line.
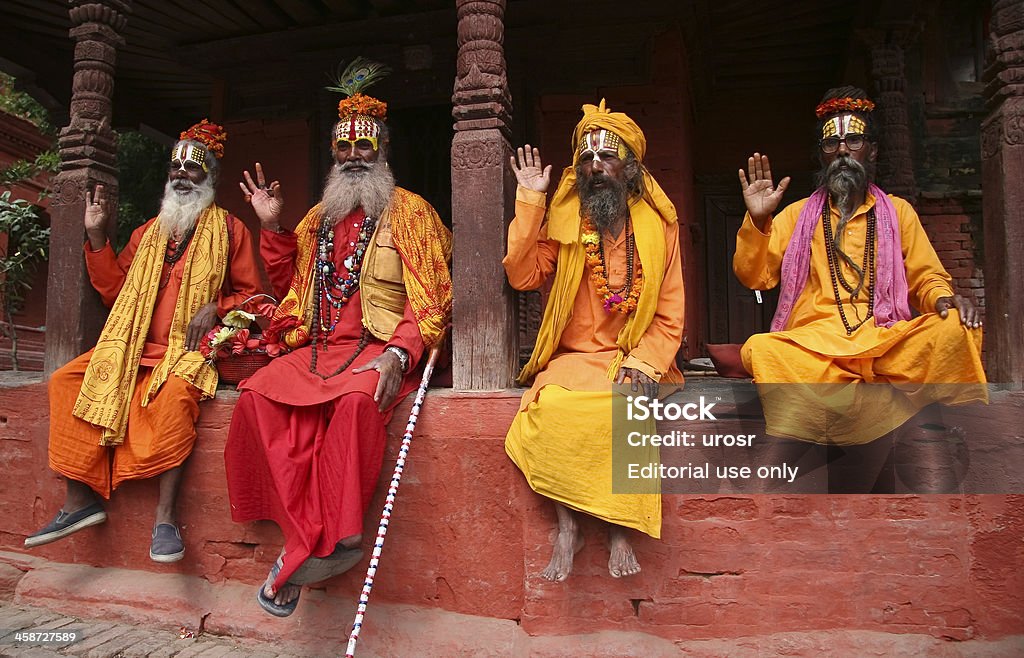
332,291
623,300
837,276
173,254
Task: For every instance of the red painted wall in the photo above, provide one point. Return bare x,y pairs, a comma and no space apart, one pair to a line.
468,536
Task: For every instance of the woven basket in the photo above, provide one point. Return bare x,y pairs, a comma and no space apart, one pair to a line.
236,367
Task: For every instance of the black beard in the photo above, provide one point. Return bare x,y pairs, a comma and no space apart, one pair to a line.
847,183
604,205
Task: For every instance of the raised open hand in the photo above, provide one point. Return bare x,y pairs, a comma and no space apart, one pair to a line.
266,200
760,193
96,217
529,171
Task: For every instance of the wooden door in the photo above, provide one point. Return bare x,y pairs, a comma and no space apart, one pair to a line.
734,313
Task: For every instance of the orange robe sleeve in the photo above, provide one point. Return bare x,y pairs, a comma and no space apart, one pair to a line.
531,256
243,280
107,271
758,258
927,279
656,351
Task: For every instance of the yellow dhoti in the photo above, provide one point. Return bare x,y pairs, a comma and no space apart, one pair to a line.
563,444
865,385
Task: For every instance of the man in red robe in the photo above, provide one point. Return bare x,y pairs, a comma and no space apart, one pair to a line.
127,409
365,288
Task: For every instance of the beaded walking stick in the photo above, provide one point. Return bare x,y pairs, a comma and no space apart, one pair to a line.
389,503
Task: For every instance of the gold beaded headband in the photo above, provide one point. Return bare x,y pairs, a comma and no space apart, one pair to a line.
844,124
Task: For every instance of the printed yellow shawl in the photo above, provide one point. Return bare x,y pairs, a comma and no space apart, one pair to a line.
110,377
422,241
648,213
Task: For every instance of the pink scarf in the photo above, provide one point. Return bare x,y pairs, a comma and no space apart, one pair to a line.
890,274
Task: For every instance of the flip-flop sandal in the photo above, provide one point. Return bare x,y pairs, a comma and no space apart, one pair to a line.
317,569
268,604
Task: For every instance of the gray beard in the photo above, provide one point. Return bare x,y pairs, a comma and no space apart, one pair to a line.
846,186
604,205
180,208
349,187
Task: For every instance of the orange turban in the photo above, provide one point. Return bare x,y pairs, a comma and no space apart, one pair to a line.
564,211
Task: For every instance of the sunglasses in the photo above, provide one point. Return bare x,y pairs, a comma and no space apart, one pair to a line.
854,142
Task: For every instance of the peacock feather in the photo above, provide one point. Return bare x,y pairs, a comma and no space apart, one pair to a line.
357,76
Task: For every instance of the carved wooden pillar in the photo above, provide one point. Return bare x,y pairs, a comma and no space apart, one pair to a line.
485,329
1002,171
895,164
74,314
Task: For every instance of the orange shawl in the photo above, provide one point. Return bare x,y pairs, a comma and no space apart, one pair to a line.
423,242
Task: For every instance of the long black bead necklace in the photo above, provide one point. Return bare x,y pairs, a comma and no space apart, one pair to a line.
835,271
173,254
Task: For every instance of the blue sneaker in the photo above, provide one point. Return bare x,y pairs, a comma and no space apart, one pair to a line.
167,545
65,524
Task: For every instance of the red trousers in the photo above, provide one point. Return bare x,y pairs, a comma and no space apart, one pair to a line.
311,469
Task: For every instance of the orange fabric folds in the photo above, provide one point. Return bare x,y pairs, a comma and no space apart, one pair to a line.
422,241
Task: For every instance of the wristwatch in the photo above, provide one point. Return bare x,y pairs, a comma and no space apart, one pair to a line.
403,356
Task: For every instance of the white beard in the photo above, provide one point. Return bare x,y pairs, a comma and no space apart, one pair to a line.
180,208
348,188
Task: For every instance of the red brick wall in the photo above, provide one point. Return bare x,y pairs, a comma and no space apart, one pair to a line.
468,536
952,234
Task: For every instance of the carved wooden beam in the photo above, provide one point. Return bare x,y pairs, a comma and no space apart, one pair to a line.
895,160
1002,170
74,314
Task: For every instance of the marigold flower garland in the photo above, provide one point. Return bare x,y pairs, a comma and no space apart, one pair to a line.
625,299
833,105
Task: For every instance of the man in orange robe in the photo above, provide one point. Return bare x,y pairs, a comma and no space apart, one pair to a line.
615,312
127,409
851,262
366,289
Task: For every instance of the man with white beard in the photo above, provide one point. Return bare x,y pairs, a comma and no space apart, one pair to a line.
365,289
850,262
127,409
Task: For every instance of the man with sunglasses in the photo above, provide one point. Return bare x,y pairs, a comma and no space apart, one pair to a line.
851,262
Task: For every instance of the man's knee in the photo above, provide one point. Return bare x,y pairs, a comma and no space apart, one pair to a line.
356,404
67,376
756,344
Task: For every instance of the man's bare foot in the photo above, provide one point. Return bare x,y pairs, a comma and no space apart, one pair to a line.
567,545
621,559
282,602
284,596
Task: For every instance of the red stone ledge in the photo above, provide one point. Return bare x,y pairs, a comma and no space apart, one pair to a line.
468,538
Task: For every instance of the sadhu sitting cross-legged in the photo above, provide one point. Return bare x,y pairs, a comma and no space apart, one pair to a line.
127,409
846,361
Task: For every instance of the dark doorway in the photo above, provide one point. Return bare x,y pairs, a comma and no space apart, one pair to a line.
734,312
421,145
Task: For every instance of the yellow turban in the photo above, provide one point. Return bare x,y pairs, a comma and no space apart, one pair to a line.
647,213
564,213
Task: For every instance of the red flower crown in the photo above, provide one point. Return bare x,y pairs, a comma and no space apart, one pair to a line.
210,135
835,105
